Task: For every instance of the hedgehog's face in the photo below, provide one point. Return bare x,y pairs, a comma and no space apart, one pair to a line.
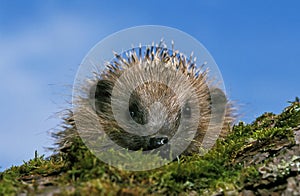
142,104
154,111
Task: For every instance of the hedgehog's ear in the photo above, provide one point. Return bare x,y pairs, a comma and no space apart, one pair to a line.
218,101
100,93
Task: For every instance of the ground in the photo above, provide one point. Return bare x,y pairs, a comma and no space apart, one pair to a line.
261,158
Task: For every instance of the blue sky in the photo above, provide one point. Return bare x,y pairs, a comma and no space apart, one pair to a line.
256,45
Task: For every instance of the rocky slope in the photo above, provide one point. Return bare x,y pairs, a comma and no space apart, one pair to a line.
261,158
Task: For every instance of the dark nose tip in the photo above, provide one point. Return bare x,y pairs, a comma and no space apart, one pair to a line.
158,141
164,140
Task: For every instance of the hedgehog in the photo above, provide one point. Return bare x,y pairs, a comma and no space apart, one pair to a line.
143,97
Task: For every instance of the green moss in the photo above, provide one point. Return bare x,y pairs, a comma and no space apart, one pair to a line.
238,162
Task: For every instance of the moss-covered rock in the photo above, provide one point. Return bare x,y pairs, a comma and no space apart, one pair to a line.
258,158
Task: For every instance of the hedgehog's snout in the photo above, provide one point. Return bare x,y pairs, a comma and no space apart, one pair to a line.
156,142
163,140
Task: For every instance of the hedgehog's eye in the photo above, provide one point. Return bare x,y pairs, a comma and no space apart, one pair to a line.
137,113
187,111
132,114
133,110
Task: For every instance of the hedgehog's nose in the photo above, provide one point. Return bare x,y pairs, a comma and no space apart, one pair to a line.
156,142
164,140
